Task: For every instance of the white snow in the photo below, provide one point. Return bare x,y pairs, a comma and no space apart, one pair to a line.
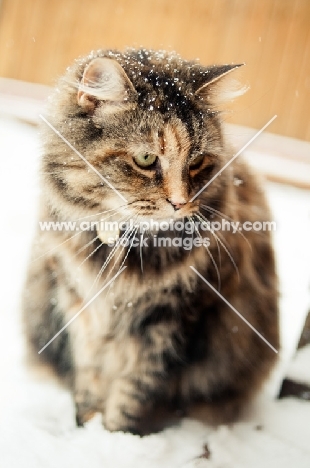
37,425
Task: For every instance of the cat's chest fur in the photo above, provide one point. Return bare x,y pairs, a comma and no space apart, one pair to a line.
136,290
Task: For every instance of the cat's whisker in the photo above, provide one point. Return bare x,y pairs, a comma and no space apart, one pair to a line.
91,254
111,254
86,245
183,230
147,232
56,246
134,231
109,258
214,211
141,254
127,237
223,216
191,221
207,223
74,255
111,270
214,235
75,234
210,255
95,250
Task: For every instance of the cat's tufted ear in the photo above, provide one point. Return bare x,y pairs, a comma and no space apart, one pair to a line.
104,80
218,88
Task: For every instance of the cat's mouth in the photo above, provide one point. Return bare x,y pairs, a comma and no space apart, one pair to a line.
164,209
166,215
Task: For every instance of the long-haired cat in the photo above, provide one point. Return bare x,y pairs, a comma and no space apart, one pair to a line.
135,136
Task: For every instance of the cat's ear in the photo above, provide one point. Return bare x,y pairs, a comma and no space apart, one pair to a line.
218,87
104,80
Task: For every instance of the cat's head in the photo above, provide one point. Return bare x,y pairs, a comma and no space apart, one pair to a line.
148,123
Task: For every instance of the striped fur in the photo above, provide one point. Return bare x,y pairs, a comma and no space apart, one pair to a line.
158,337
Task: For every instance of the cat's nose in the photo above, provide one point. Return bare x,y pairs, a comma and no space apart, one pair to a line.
177,204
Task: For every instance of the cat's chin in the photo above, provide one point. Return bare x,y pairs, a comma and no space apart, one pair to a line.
161,218
180,215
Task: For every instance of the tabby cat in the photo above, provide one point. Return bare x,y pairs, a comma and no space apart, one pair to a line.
135,136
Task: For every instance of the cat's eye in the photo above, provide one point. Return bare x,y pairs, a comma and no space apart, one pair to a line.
196,162
145,160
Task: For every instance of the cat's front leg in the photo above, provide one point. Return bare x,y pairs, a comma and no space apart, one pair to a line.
128,404
84,408
132,396
122,402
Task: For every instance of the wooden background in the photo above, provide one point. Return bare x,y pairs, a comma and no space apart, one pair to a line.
40,38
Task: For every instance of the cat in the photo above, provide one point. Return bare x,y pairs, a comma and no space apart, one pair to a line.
137,135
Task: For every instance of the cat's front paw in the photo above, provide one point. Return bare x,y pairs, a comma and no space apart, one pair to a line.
120,419
86,406
83,414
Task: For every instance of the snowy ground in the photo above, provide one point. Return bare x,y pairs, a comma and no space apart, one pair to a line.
37,426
